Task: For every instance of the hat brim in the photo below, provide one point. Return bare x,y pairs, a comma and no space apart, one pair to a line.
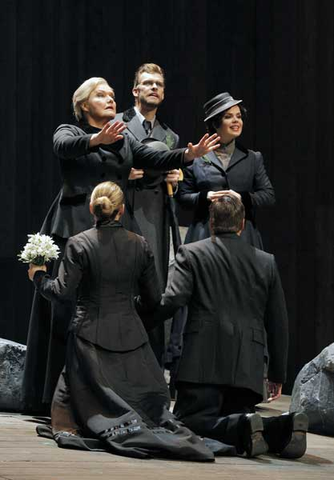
222,108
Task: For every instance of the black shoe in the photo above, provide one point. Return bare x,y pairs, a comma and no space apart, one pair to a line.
250,434
286,435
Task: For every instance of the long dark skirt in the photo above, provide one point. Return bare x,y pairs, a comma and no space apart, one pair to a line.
122,400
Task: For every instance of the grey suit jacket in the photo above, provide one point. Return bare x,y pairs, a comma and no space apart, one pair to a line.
160,130
236,306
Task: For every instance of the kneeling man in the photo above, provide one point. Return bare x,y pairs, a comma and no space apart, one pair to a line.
236,313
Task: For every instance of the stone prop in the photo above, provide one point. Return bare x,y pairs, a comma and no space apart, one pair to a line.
12,357
313,392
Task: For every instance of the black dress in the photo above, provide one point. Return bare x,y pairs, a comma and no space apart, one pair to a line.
82,168
116,392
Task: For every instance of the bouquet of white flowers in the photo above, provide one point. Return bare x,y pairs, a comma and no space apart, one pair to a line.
39,250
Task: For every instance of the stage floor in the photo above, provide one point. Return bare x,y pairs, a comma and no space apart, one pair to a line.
25,456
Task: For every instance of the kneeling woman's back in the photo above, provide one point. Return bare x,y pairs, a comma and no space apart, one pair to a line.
112,389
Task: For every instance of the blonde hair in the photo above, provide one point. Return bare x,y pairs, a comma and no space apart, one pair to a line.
106,200
147,68
82,94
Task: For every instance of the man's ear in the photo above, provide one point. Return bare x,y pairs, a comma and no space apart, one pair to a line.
135,92
243,224
91,208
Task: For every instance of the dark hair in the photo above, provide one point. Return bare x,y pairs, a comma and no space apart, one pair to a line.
226,214
215,122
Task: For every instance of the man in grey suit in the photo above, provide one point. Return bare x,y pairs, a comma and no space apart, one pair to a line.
146,192
236,309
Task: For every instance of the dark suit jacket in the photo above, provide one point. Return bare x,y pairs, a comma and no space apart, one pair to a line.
245,174
106,265
236,304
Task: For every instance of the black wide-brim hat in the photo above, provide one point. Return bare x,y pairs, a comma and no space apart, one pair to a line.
219,104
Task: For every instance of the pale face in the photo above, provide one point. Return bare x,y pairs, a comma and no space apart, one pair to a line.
100,106
150,91
231,125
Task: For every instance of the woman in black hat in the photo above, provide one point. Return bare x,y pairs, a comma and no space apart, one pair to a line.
231,167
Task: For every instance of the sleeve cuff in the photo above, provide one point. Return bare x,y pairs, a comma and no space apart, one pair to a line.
38,277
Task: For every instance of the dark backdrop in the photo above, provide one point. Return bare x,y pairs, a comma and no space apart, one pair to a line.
276,55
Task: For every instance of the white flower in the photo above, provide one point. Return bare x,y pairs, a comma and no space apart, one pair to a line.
39,250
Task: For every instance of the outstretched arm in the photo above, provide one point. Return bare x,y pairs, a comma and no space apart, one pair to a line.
69,275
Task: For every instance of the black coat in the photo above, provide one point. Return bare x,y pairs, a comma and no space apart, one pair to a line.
235,306
82,168
107,265
147,199
147,196
245,174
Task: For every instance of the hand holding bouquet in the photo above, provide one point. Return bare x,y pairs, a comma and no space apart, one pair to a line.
39,250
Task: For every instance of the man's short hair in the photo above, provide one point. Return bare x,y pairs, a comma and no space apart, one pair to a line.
147,68
227,214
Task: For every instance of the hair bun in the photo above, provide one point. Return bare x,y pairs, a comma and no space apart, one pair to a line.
103,207
106,200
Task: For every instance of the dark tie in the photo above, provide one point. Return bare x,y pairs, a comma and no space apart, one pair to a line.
147,126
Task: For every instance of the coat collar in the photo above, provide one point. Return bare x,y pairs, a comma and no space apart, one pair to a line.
136,128
222,236
239,154
108,223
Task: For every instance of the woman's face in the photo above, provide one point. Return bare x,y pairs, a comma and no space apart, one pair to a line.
100,106
231,124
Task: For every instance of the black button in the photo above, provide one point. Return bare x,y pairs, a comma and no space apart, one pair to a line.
103,175
103,158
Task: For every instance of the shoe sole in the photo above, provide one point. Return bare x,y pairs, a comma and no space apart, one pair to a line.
257,445
296,447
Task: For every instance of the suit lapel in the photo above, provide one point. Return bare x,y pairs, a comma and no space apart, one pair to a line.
236,157
136,128
158,133
213,160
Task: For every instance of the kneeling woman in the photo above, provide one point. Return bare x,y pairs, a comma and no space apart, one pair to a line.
112,389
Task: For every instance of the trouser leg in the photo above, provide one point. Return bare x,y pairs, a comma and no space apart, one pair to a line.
199,407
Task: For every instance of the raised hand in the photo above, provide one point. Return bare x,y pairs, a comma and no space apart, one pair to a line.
110,133
205,145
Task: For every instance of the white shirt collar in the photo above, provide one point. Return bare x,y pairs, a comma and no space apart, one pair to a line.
142,118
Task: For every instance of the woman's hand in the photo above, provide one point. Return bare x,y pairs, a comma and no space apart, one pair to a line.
204,146
173,176
212,196
35,268
136,174
110,133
